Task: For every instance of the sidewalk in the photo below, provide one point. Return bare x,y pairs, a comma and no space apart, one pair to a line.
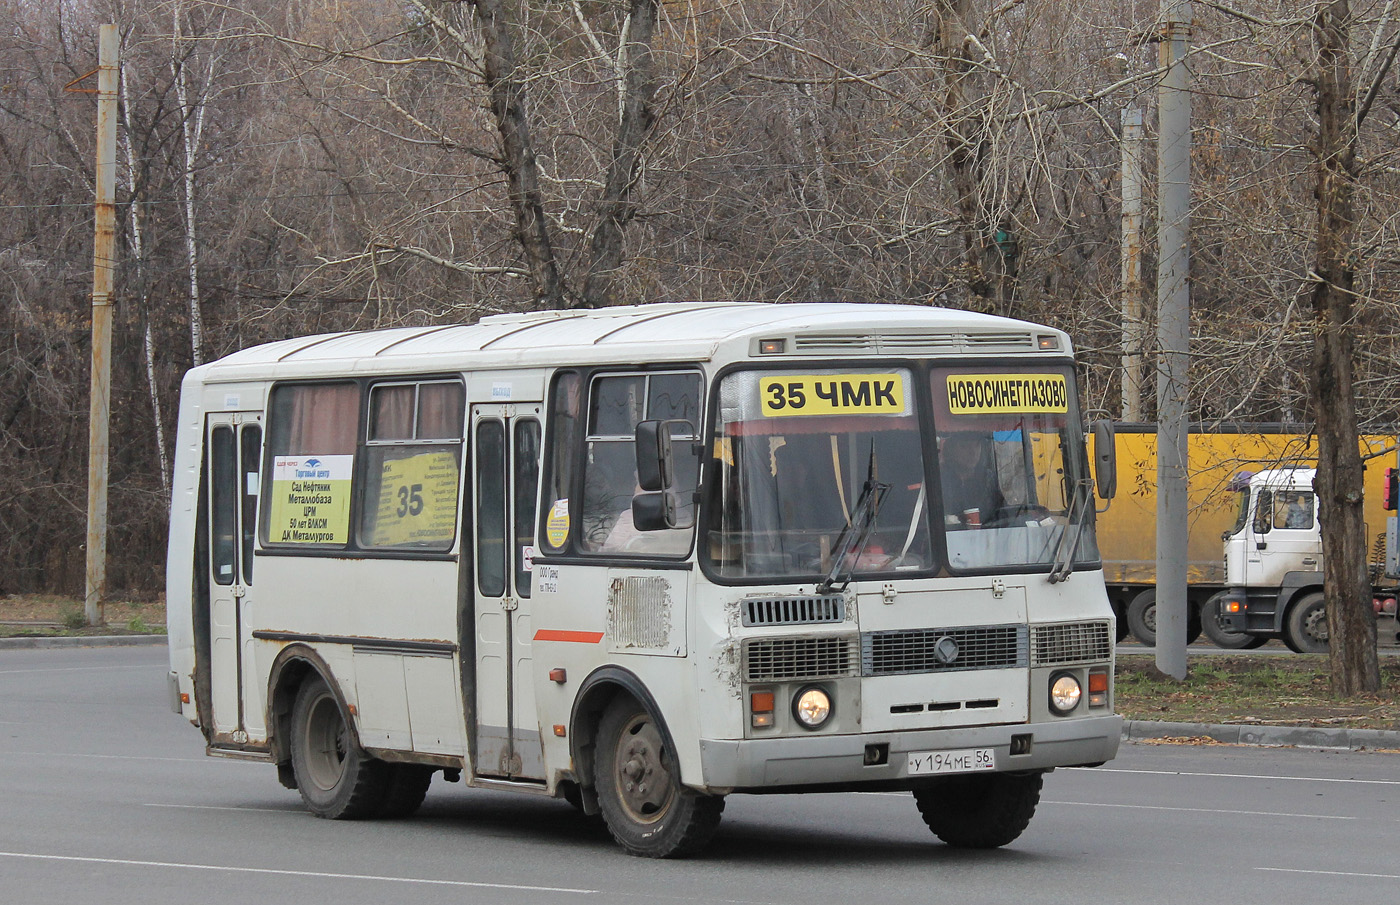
1263,735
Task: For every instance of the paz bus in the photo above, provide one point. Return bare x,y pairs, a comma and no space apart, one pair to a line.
642,558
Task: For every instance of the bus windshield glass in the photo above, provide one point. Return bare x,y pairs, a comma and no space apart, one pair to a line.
990,485
1014,480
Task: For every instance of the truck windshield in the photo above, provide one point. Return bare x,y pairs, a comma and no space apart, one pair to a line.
977,491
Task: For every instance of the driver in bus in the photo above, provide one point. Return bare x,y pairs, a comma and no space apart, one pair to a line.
971,492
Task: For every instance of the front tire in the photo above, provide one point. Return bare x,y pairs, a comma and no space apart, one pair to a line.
336,778
1306,630
980,810
643,803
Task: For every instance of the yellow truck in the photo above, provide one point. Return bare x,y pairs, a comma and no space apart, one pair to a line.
1216,457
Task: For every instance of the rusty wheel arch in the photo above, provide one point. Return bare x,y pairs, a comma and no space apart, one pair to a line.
595,694
294,664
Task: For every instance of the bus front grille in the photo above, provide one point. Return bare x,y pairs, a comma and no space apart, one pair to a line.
1071,642
793,610
943,650
775,659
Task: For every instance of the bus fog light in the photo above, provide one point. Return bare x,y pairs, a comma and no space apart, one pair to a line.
1065,692
812,707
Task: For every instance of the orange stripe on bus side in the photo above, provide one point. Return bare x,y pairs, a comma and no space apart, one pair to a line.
550,634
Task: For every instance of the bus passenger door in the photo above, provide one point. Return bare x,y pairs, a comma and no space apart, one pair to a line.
234,445
506,463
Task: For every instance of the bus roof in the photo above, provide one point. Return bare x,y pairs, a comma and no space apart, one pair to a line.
644,333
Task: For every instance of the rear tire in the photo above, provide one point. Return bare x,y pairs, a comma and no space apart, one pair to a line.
1142,618
1305,630
980,810
637,779
336,778
405,790
1223,637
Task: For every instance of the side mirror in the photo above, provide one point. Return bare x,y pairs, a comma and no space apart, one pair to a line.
655,512
656,460
656,464
1105,460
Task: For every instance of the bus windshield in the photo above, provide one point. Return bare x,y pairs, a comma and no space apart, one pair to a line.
994,484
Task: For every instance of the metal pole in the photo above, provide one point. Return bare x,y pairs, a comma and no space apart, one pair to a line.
1173,333
103,264
1131,254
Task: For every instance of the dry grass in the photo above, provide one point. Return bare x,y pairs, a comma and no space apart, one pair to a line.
28,615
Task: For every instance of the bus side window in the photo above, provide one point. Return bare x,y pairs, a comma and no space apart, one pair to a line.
617,402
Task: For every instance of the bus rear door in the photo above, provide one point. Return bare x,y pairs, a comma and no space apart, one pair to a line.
506,457
235,447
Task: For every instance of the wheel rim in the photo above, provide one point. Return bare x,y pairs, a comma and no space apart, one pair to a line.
326,743
1315,624
644,785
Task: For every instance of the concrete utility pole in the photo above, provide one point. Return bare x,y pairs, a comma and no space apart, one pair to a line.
104,262
1131,255
1173,332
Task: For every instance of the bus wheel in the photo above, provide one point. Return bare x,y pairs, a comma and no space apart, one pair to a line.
644,805
405,789
985,810
1223,637
336,778
1306,629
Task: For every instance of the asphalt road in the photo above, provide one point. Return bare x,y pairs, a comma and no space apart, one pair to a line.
105,796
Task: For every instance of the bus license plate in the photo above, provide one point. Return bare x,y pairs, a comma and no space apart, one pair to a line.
967,760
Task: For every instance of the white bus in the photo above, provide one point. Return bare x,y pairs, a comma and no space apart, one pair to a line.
642,558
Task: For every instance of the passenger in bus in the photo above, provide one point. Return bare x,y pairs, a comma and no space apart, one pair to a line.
971,492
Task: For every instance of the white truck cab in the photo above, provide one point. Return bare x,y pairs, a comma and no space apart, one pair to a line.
1273,564
1273,560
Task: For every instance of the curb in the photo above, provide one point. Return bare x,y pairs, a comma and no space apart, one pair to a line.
45,643
1266,736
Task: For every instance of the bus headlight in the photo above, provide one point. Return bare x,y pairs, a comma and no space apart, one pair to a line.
1065,693
812,707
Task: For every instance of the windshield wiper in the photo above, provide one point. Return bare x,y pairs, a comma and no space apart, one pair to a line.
851,544
1069,546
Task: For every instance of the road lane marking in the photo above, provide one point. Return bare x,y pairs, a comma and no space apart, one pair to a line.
225,807
1331,873
320,875
18,672
175,760
1371,782
1153,807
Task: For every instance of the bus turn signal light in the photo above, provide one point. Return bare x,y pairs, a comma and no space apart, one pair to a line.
1098,689
761,708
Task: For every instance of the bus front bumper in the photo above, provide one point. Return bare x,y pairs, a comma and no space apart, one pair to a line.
845,761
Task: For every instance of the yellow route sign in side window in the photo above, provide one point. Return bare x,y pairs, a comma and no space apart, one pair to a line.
832,394
417,500
993,394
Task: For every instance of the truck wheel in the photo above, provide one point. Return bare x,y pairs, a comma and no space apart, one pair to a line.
336,778
1221,636
1306,628
986,810
1142,619
644,805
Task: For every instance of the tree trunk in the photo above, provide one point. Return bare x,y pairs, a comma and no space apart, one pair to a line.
517,153
618,207
1350,618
